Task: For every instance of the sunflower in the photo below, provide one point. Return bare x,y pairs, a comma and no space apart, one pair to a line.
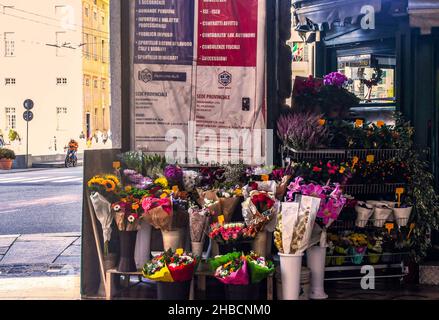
109,185
113,178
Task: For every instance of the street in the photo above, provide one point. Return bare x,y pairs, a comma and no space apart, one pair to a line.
41,201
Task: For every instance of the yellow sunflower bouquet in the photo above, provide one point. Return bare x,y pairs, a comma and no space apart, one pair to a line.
108,185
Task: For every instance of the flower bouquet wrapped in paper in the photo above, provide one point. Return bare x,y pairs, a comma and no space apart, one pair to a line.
233,269
282,177
229,199
127,215
295,225
209,199
157,270
230,233
191,179
158,212
259,267
260,210
198,222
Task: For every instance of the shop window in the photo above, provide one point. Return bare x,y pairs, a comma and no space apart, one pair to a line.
11,118
300,52
61,81
372,77
61,118
10,81
9,44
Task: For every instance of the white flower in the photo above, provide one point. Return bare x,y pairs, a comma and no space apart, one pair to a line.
131,219
227,195
117,208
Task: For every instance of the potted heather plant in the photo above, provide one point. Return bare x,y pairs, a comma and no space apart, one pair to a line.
7,158
302,131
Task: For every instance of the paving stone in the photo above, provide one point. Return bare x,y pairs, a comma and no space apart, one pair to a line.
73,250
7,241
73,261
3,250
77,242
34,252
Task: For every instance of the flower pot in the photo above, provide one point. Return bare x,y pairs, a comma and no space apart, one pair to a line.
316,258
172,239
363,215
374,258
6,164
173,290
261,243
242,292
291,269
197,249
402,215
127,248
339,260
380,216
143,245
357,255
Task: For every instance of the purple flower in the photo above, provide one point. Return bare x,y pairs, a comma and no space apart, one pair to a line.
174,174
336,79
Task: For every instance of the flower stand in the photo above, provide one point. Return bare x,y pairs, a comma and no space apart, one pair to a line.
316,258
291,269
127,248
173,290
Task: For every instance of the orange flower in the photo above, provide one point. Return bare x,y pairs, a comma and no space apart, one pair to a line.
322,122
135,206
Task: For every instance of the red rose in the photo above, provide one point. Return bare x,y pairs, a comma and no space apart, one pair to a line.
317,169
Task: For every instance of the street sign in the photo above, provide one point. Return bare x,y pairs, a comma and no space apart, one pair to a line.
28,104
28,116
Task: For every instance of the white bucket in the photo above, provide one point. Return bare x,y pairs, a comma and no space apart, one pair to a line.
291,269
172,239
316,258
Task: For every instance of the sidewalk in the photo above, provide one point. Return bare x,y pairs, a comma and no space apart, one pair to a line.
40,266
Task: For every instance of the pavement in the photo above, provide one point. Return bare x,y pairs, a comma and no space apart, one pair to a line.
40,224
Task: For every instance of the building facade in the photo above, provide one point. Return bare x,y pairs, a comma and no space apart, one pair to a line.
96,67
41,59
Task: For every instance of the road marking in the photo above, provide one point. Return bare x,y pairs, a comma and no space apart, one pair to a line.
71,180
46,179
11,179
9,211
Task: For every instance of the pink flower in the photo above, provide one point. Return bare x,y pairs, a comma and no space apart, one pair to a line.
329,210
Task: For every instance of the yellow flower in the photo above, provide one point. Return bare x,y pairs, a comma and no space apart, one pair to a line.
238,192
162,181
128,189
342,170
113,178
135,206
109,185
164,195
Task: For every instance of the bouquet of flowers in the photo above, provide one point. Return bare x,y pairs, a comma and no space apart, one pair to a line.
108,185
191,179
158,212
259,267
341,249
259,210
332,198
174,175
229,199
230,233
136,180
198,222
295,225
171,266
374,248
127,214
231,268
358,247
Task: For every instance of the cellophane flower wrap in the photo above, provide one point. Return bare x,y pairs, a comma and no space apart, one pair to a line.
210,199
171,266
231,269
332,198
157,270
260,268
260,210
181,266
158,212
198,223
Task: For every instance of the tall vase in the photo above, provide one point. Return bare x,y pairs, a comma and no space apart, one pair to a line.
127,248
259,245
143,245
172,239
316,258
197,249
291,271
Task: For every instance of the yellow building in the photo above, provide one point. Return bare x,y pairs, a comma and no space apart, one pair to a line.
96,68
